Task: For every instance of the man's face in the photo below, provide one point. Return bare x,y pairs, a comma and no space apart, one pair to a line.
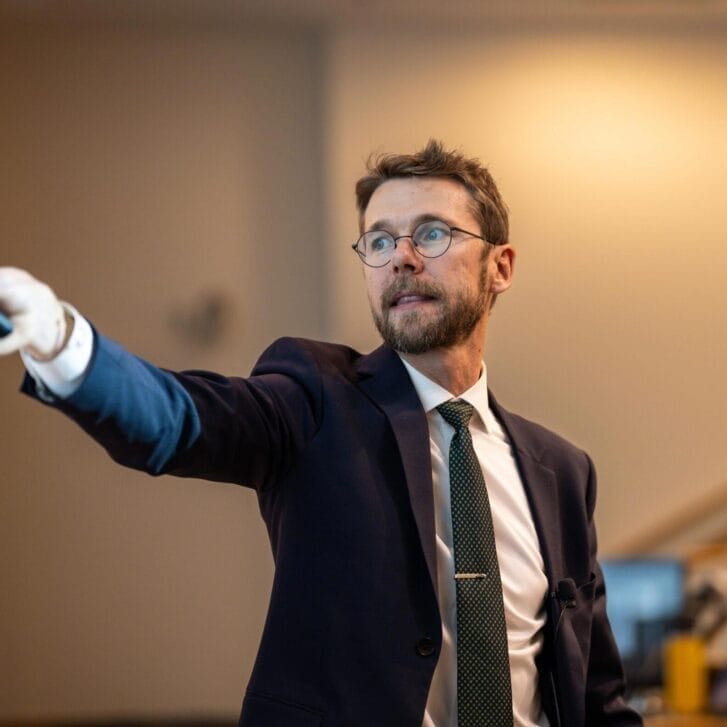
420,304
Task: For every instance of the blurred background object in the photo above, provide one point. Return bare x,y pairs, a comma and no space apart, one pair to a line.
183,173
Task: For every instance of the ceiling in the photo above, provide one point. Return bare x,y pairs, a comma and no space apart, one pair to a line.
354,13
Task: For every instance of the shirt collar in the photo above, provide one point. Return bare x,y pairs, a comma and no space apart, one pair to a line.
431,394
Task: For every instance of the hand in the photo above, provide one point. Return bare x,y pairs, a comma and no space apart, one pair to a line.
41,325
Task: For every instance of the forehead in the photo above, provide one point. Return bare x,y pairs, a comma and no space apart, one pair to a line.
397,202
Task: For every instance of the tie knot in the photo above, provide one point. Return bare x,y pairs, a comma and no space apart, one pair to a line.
456,413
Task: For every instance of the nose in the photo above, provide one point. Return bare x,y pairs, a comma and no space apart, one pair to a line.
405,257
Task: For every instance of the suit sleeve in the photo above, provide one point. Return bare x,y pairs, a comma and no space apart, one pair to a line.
605,682
197,423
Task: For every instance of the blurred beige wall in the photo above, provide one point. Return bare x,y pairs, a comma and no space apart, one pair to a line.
146,169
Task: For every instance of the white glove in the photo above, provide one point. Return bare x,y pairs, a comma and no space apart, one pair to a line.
40,324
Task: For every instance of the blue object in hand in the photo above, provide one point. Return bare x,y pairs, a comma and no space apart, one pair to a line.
5,325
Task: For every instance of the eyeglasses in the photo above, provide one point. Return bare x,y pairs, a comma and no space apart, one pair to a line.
430,239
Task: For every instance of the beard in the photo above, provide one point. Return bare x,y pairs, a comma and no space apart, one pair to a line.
417,331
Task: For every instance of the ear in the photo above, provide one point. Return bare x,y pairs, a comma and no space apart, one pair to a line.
503,262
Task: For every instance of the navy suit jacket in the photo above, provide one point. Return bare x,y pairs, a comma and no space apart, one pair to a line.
336,445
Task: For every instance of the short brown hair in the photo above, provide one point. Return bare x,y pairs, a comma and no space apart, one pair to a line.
435,161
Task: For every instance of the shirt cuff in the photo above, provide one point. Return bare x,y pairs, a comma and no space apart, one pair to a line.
62,376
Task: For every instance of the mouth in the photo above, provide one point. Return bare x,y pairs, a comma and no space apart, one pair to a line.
406,300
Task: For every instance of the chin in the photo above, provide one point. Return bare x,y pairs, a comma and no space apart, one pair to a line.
412,337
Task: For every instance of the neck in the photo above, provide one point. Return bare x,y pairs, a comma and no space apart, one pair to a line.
455,369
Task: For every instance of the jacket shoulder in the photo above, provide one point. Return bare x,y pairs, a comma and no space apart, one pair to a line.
328,358
538,441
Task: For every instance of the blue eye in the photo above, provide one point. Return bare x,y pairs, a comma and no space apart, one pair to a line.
432,234
379,242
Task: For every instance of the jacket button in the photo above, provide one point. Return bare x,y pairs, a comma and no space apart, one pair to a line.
425,646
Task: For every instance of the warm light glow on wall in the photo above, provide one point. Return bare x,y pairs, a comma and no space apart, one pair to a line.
597,113
611,152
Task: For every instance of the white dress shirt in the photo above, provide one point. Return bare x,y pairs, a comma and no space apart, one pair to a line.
524,584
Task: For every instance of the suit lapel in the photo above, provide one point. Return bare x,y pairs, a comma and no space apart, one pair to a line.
385,381
541,489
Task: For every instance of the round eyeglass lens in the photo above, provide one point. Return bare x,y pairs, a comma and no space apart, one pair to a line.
432,238
377,247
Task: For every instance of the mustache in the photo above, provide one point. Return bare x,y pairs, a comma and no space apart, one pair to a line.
411,286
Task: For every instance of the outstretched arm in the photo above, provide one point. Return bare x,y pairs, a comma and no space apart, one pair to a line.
150,414
195,424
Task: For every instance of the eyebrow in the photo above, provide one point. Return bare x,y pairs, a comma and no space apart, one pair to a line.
387,225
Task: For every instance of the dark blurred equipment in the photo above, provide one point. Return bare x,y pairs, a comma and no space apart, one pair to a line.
663,624
645,599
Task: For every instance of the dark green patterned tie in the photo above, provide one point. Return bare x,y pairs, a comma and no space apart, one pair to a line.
484,695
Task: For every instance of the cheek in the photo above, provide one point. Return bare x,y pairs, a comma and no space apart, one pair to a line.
467,275
373,288
479,273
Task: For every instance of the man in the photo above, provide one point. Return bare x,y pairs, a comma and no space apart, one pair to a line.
409,588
